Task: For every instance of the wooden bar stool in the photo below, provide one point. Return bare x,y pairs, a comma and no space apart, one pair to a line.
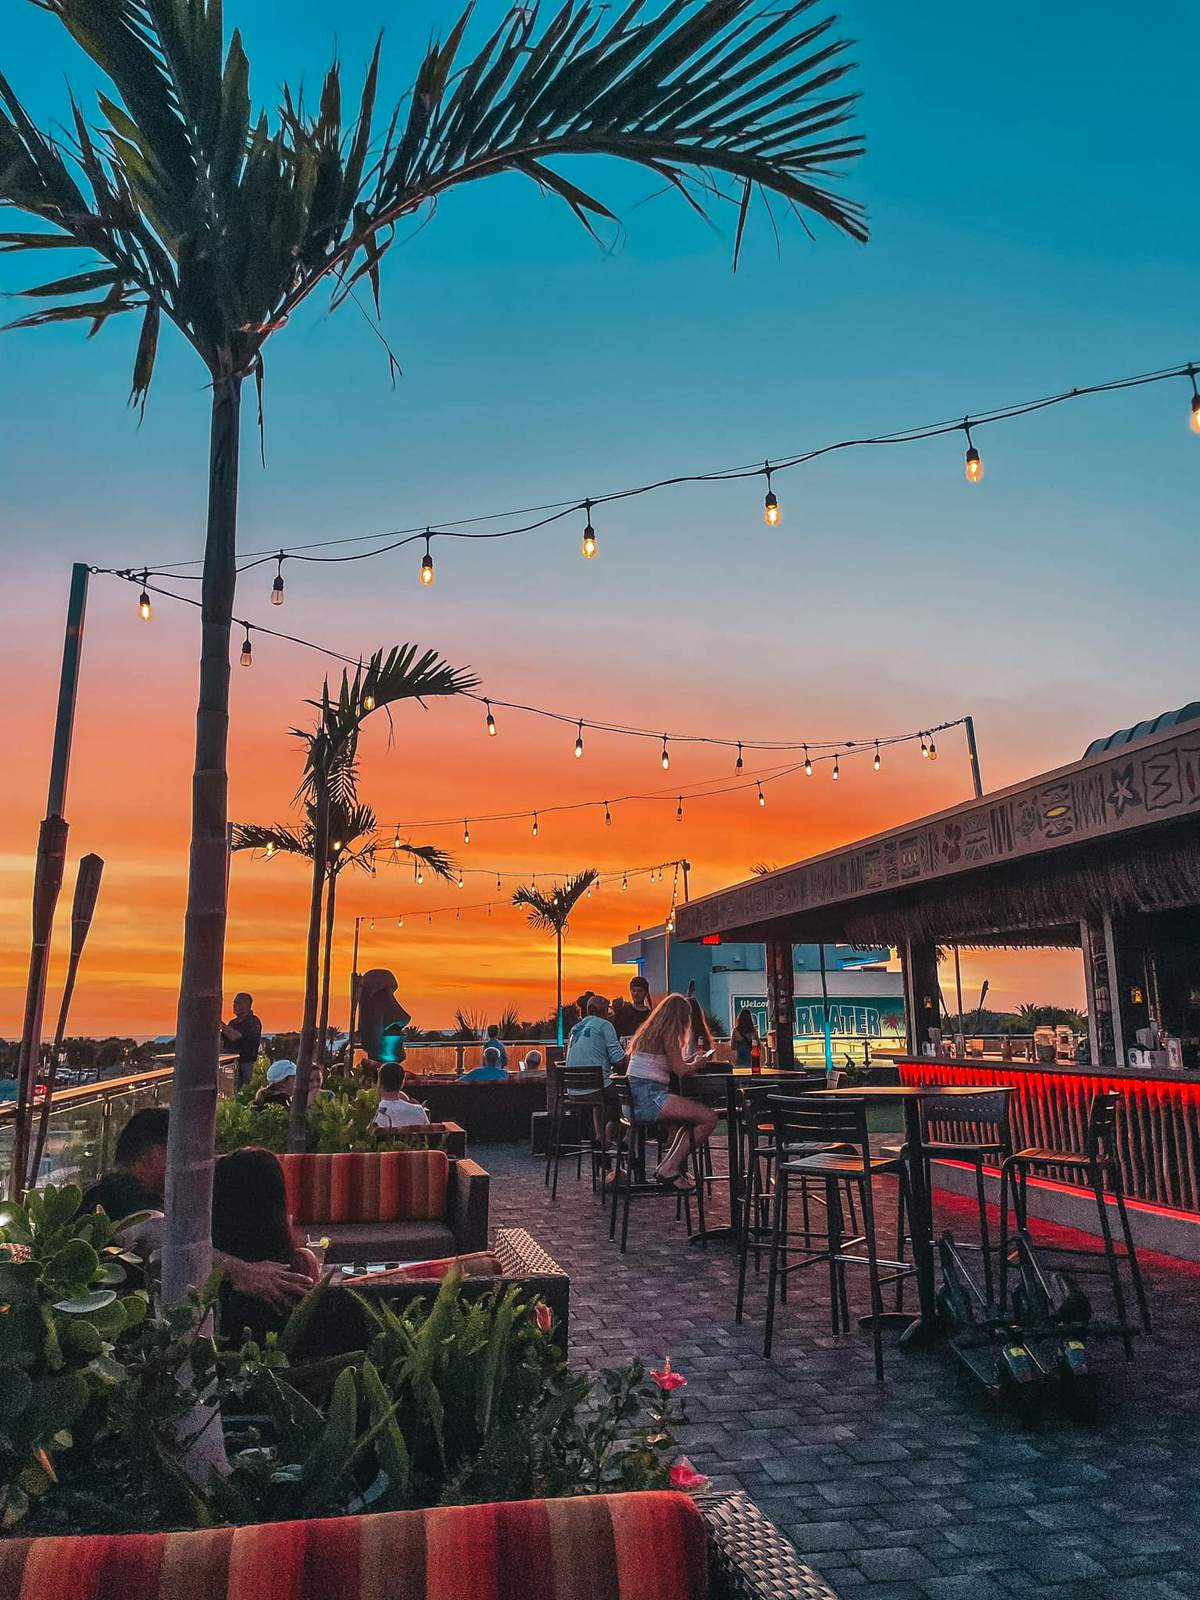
1096,1162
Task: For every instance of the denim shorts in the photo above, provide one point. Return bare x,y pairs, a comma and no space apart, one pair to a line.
648,1097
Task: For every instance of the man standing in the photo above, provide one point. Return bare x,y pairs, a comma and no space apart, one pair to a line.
493,1041
630,1014
243,1033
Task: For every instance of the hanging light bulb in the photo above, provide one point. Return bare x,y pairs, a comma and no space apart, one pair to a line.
589,893
738,765
337,847
589,533
372,924
491,721
837,771
1195,423
466,832
666,757
399,922
247,656
932,749
924,748
974,464
145,610
368,699
271,848
671,923
679,809
420,874
807,763
458,916
607,816
579,742
534,829
277,586
772,515
624,880
498,883
427,564
461,885
762,799
876,761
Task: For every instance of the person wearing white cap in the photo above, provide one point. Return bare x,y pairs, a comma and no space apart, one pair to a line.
281,1080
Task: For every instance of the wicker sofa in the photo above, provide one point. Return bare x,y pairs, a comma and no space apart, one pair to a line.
649,1546
389,1205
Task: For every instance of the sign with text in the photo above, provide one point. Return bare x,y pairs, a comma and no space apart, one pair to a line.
847,1017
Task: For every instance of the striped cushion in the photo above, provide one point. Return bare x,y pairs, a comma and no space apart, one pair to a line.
597,1547
375,1186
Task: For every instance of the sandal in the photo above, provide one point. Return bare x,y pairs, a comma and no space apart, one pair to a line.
676,1183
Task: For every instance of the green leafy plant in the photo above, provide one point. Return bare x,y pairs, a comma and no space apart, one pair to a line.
334,1123
62,1312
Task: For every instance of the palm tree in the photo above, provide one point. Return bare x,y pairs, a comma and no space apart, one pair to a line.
189,208
549,911
329,782
352,843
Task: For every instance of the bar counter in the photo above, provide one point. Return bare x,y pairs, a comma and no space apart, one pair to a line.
1158,1129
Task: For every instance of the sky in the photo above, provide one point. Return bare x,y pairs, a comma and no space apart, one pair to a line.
1026,179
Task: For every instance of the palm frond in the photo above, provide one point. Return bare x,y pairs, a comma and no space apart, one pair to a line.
273,837
193,206
440,862
549,909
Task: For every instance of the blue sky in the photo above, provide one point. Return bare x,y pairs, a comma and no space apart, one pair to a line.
1030,179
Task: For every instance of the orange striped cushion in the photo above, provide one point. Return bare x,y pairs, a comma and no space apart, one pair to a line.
596,1547
373,1186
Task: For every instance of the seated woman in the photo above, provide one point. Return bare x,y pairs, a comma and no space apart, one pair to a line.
656,1051
251,1222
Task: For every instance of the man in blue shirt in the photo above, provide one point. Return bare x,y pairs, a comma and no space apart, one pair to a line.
493,1041
593,1042
490,1072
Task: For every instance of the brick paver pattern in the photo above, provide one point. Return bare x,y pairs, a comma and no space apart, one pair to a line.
921,1487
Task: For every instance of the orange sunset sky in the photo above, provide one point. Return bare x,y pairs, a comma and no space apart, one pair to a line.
1055,601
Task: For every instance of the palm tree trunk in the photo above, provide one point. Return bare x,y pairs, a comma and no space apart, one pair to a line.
187,1235
297,1122
558,982
323,1031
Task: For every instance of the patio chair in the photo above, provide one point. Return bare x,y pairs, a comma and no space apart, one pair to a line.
629,1180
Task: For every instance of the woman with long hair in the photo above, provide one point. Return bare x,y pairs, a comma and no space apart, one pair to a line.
250,1221
658,1049
745,1037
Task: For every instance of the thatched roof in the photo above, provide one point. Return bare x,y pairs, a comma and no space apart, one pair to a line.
1117,831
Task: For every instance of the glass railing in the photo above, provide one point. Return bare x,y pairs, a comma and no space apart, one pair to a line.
85,1123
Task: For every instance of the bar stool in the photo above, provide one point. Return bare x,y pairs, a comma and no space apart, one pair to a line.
1097,1161
629,1171
838,1129
578,1091
975,1129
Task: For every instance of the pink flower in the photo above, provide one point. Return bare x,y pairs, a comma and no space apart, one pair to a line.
668,1380
543,1316
684,1476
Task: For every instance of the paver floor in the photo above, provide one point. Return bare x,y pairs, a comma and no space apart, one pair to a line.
916,1488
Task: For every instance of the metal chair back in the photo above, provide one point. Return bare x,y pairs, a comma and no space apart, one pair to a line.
579,1081
819,1120
969,1118
1102,1126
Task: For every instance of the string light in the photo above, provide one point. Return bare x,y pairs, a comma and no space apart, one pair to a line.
499,885
534,829
607,816
247,655
420,876
427,563
624,880
579,741
1195,423
399,922
368,699
876,762
589,533
145,609
924,748
762,799
461,883
277,586
739,763
932,749
974,464
837,771
466,832
396,842
271,848
679,810
772,515
666,756
807,763
491,721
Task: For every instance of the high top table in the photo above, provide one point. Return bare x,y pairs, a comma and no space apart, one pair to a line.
924,1329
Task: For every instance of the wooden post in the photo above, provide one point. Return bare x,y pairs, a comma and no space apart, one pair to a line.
48,876
973,756
780,992
919,962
